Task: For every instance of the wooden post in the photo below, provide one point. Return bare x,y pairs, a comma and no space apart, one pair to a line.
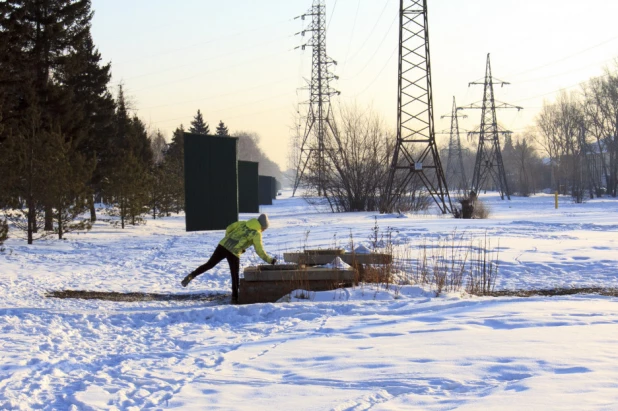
556,199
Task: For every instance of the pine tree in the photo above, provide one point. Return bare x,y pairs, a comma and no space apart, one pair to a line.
88,80
128,190
39,38
198,126
67,190
4,227
161,188
174,164
4,232
128,180
26,164
140,143
40,35
161,191
222,129
4,81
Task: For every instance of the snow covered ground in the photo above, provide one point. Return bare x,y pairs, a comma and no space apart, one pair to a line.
351,349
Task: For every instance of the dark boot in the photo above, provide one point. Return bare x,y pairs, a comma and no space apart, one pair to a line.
188,279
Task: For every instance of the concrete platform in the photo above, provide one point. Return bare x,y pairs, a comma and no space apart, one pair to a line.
309,259
349,258
269,285
301,274
324,251
373,258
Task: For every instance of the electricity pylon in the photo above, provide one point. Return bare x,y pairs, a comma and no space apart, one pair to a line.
455,172
489,159
314,147
416,156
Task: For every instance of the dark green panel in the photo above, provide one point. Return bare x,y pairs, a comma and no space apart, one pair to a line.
211,182
248,187
265,187
273,188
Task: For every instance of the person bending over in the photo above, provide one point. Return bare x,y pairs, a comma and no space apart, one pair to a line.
238,237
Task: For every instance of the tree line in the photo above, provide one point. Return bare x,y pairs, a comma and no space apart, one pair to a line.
66,142
579,134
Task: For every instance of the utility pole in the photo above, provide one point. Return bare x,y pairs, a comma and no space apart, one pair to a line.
455,172
416,157
489,155
314,146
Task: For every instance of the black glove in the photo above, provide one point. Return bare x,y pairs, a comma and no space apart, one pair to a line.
274,261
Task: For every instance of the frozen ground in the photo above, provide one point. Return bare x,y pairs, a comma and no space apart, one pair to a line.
352,349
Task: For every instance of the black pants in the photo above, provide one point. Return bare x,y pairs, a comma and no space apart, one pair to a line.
234,262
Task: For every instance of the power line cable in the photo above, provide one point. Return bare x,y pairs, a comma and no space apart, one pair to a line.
228,108
370,60
150,87
566,72
370,32
557,90
378,75
210,58
331,15
213,40
557,61
345,59
564,58
244,89
259,112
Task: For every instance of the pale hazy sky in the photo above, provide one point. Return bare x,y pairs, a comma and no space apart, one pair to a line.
235,60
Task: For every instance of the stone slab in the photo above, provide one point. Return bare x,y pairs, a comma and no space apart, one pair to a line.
325,251
303,274
309,259
251,292
349,258
373,258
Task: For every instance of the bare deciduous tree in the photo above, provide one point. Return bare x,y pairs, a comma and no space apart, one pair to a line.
158,145
527,165
358,160
601,109
560,126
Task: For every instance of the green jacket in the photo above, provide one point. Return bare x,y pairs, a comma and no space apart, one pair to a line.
243,234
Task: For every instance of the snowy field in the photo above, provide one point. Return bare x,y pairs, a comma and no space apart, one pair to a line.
354,349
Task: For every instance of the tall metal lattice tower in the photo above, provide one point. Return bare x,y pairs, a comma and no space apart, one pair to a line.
416,156
314,147
455,172
489,155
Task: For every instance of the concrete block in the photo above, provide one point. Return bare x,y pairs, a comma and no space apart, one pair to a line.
303,274
373,258
348,258
270,291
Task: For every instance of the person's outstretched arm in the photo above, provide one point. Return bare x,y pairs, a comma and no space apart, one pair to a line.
259,248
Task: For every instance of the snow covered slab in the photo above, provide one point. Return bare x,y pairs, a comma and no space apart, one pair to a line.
373,258
251,292
309,258
268,286
302,274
